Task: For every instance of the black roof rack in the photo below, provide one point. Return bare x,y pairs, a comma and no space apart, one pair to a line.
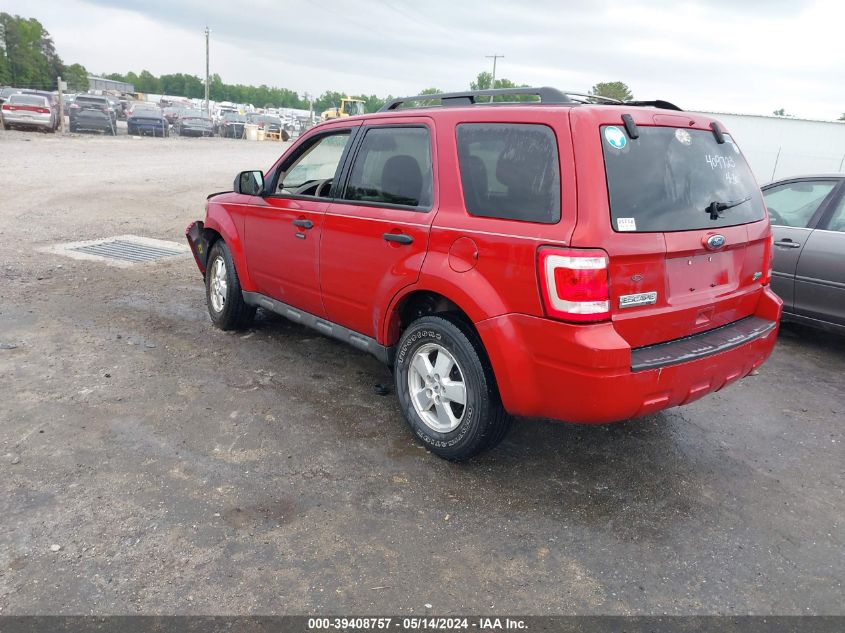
546,95
657,103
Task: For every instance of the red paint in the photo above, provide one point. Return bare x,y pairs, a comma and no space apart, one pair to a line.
491,269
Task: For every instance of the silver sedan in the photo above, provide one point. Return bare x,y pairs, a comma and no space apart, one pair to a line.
808,272
23,110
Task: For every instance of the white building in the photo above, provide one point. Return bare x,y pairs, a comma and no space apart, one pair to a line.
778,147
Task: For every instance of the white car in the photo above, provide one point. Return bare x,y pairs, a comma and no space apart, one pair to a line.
25,110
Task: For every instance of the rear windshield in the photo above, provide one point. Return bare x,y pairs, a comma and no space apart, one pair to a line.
93,100
669,178
28,101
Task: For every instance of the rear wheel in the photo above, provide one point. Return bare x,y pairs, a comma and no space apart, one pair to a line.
223,295
447,390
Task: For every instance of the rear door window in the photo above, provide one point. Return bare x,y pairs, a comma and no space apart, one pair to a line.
392,166
510,171
669,178
795,203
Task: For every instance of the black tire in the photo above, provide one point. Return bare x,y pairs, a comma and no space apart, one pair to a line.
234,313
72,128
482,421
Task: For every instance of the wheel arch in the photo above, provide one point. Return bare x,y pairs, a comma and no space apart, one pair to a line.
219,225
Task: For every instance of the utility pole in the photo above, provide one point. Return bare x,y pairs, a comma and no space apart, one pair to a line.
494,58
310,109
61,105
206,70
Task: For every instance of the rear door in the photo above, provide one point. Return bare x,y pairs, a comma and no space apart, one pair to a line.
376,231
794,209
688,239
820,274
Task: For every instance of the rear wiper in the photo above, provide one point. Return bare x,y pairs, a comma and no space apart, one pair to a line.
715,208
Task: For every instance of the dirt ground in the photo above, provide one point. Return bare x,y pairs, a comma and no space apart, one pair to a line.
152,464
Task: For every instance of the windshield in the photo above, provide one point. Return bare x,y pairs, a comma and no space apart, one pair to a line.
669,178
235,118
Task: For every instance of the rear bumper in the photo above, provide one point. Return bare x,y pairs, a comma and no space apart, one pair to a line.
198,244
43,121
91,124
586,373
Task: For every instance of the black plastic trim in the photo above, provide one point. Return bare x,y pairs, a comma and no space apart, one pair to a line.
546,95
701,345
631,126
321,325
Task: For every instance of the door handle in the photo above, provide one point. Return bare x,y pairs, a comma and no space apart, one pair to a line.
304,224
788,243
399,238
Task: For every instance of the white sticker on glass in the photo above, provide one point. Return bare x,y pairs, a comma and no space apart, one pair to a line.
683,137
615,137
626,224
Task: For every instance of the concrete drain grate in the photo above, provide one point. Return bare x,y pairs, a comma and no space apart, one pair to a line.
122,250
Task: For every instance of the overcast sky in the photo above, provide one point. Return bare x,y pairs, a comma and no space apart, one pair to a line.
747,56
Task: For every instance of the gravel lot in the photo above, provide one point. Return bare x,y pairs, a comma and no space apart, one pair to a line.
151,464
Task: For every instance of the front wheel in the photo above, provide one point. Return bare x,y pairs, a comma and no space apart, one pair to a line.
447,390
223,295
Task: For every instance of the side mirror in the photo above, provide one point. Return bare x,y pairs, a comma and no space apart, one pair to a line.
249,183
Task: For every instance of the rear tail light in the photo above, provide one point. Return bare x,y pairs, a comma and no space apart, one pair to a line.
43,110
768,253
574,284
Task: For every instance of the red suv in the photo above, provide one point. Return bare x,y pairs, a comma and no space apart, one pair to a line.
566,258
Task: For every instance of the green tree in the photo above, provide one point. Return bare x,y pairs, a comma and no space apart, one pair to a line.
76,77
612,89
842,118
329,99
780,112
146,82
23,47
372,103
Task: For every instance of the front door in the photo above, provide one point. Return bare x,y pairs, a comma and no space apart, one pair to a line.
820,276
793,210
283,228
375,234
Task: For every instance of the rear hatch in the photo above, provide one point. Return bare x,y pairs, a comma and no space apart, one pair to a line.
91,109
690,242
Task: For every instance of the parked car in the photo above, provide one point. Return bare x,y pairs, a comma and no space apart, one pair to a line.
171,113
194,123
52,100
145,118
117,107
231,125
28,111
92,112
269,123
808,224
563,259
5,92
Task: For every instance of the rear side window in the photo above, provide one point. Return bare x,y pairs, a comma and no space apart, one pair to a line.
668,178
510,171
392,166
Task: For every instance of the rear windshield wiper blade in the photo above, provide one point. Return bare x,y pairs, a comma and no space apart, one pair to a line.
715,208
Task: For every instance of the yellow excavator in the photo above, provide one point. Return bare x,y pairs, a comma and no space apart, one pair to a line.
348,107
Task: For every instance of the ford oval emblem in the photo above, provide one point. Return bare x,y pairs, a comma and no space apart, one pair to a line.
715,242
